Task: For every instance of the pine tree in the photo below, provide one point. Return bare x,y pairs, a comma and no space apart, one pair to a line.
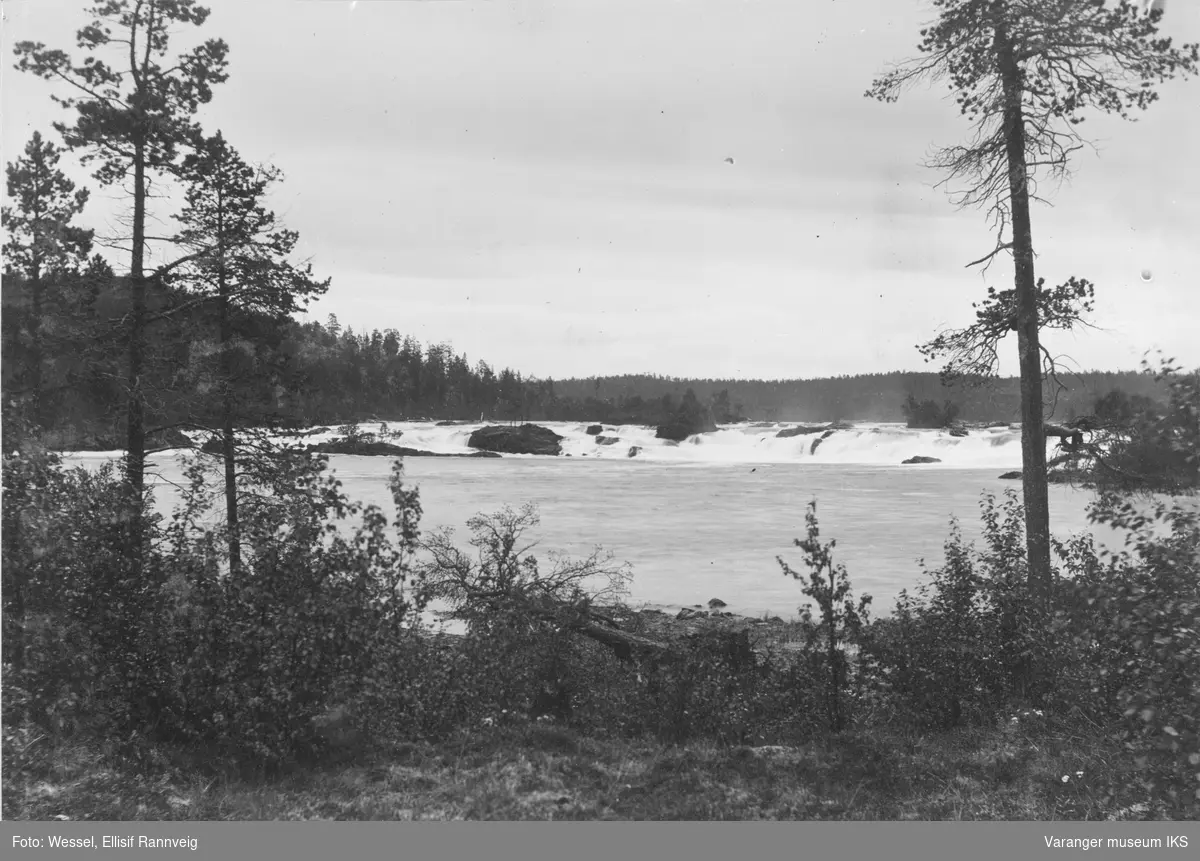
1025,72
43,247
238,265
133,115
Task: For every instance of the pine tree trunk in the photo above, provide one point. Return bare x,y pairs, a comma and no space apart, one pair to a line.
228,442
36,352
135,455
1033,435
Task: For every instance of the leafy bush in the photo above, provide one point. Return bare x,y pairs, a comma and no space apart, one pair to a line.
522,617
169,643
1131,623
79,642
969,644
301,626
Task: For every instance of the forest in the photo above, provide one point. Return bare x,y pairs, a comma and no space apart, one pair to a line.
294,373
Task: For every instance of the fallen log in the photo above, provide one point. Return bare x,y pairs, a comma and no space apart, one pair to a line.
623,644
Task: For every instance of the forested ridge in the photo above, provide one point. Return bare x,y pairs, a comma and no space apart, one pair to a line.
302,373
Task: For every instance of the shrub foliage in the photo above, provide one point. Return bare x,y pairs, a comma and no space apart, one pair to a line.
322,638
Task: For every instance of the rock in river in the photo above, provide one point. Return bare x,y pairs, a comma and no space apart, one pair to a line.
526,439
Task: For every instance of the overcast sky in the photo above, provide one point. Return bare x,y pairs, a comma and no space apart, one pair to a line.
545,185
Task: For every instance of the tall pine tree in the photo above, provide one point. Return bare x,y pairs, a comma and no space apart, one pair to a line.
134,105
1025,73
239,267
42,250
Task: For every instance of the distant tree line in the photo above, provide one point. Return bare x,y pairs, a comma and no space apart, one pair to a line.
863,397
311,373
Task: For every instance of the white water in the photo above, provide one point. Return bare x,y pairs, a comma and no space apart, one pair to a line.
706,518
876,444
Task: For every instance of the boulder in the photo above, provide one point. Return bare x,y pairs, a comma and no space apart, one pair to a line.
595,429
715,603
959,432
800,430
920,458
816,442
526,439
634,450
607,440
688,613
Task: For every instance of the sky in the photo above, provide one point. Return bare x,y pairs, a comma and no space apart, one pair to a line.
683,187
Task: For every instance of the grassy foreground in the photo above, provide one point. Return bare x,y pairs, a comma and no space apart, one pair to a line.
1023,770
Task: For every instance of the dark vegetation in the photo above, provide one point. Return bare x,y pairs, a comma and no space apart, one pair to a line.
928,414
270,638
691,417
312,656
306,374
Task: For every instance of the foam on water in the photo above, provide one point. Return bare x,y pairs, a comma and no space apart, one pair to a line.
863,444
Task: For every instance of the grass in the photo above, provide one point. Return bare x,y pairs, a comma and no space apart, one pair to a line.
542,771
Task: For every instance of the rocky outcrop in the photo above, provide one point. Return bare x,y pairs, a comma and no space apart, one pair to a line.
369,448
716,604
607,440
1054,476
959,432
816,442
800,430
593,430
920,458
374,448
383,449
525,439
